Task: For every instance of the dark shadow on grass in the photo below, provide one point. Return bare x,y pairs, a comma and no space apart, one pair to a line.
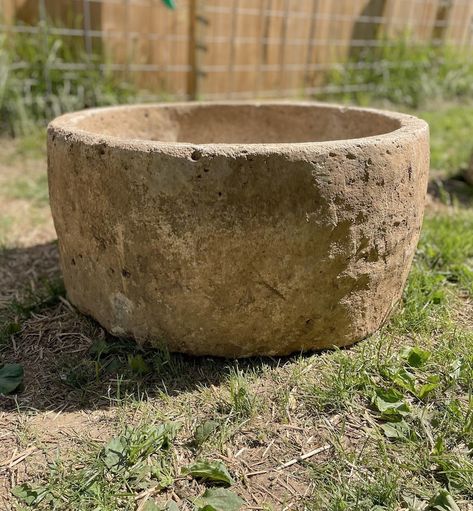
452,190
70,361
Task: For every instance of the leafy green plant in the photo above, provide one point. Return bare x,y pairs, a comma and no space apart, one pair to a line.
43,74
11,377
218,499
242,400
390,404
128,455
415,356
34,88
136,460
212,471
451,144
29,494
443,501
204,431
407,73
138,364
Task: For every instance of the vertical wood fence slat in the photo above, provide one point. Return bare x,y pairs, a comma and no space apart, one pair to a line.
311,42
263,20
126,27
265,42
43,19
192,91
87,28
442,16
233,33
282,44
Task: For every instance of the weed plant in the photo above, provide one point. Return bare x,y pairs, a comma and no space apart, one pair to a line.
407,73
34,89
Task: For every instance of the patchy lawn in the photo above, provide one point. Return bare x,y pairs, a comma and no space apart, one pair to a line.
100,424
451,127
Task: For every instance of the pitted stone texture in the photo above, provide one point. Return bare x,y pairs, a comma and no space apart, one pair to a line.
237,229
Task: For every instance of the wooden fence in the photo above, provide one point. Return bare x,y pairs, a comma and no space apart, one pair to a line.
239,48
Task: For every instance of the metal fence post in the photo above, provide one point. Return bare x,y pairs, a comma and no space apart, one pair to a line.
43,21
87,27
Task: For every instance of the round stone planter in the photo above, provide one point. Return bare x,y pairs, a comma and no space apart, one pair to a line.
237,229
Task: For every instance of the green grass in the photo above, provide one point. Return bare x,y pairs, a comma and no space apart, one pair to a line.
396,409
31,145
138,459
444,262
450,134
6,222
432,82
407,73
33,190
437,87
242,401
35,93
415,445
419,442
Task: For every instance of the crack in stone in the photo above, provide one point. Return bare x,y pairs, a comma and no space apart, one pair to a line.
271,288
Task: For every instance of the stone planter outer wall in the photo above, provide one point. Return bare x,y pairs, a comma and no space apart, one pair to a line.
237,251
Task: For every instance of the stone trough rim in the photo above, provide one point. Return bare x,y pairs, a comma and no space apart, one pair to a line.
66,125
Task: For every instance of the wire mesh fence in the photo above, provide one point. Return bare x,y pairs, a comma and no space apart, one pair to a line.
214,49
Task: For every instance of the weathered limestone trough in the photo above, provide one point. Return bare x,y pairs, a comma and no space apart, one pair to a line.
237,229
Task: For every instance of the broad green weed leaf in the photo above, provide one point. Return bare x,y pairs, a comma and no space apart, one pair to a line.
114,453
395,430
204,431
443,501
151,505
165,433
219,499
11,377
28,494
135,445
214,471
415,356
404,379
390,404
432,384
455,369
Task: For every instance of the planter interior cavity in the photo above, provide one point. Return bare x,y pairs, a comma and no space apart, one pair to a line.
237,229
238,124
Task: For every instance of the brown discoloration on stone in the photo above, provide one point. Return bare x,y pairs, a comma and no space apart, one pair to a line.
216,245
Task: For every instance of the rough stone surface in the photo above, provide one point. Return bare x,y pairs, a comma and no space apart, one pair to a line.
237,229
